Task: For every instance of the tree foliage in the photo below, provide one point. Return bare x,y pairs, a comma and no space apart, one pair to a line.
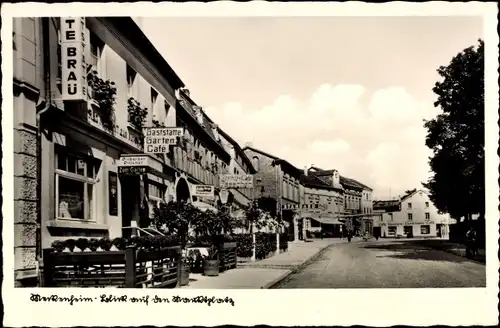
456,136
176,218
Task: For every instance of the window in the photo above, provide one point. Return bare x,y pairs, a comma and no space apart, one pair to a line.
96,48
410,217
427,216
391,217
426,204
75,180
156,195
131,89
154,96
256,163
284,192
409,206
425,230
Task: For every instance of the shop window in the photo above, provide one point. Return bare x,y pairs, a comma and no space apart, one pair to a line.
408,230
410,217
425,230
427,216
75,182
391,230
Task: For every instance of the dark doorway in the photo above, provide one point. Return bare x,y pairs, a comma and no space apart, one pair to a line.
182,191
377,232
130,192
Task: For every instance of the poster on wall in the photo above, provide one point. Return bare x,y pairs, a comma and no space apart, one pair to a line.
113,193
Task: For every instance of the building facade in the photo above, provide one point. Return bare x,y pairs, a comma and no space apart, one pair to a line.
413,215
240,164
279,180
84,90
324,203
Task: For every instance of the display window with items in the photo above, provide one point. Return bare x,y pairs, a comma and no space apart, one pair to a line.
75,179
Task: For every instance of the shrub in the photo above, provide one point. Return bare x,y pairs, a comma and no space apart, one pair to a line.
244,245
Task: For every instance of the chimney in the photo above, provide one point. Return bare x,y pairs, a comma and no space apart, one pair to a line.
305,170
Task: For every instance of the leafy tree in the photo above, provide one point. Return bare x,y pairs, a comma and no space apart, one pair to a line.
176,218
456,136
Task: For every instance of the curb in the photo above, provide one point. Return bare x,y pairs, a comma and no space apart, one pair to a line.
297,268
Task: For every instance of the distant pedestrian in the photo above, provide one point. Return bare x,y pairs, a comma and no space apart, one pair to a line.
349,236
471,248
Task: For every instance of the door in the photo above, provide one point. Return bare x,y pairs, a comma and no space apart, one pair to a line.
130,201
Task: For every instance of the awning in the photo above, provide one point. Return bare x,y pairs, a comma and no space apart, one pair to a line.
239,197
327,220
204,206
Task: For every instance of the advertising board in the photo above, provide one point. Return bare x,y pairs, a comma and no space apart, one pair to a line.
73,77
158,140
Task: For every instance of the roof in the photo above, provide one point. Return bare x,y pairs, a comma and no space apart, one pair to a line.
287,167
315,182
137,38
238,150
343,180
409,195
386,204
260,152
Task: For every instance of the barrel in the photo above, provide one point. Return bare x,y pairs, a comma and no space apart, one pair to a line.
211,268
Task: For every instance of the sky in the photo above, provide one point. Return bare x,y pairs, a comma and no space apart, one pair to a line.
345,93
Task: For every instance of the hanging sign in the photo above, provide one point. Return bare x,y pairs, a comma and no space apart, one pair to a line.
244,181
203,191
133,161
158,140
113,193
73,77
132,170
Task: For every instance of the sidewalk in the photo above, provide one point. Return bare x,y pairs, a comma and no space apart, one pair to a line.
451,247
264,273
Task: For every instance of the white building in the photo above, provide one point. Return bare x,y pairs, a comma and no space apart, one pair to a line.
413,214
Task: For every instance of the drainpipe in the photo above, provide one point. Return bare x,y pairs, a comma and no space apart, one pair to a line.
42,107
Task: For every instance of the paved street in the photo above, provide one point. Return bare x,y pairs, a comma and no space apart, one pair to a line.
387,264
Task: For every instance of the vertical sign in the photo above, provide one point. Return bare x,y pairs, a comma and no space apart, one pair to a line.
113,193
74,81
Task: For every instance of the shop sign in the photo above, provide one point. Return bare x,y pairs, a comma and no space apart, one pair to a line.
418,223
236,181
132,170
223,196
73,78
203,191
113,193
158,140
133,161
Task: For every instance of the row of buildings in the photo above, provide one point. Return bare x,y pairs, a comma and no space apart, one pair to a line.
84,89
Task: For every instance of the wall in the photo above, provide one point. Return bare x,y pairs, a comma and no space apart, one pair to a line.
28,84
266,177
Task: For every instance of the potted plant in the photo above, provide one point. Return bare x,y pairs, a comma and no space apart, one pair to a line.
105,244
210,224
120,243
176,218
82,244
136,114
58,245
93,244
104,94
70,244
